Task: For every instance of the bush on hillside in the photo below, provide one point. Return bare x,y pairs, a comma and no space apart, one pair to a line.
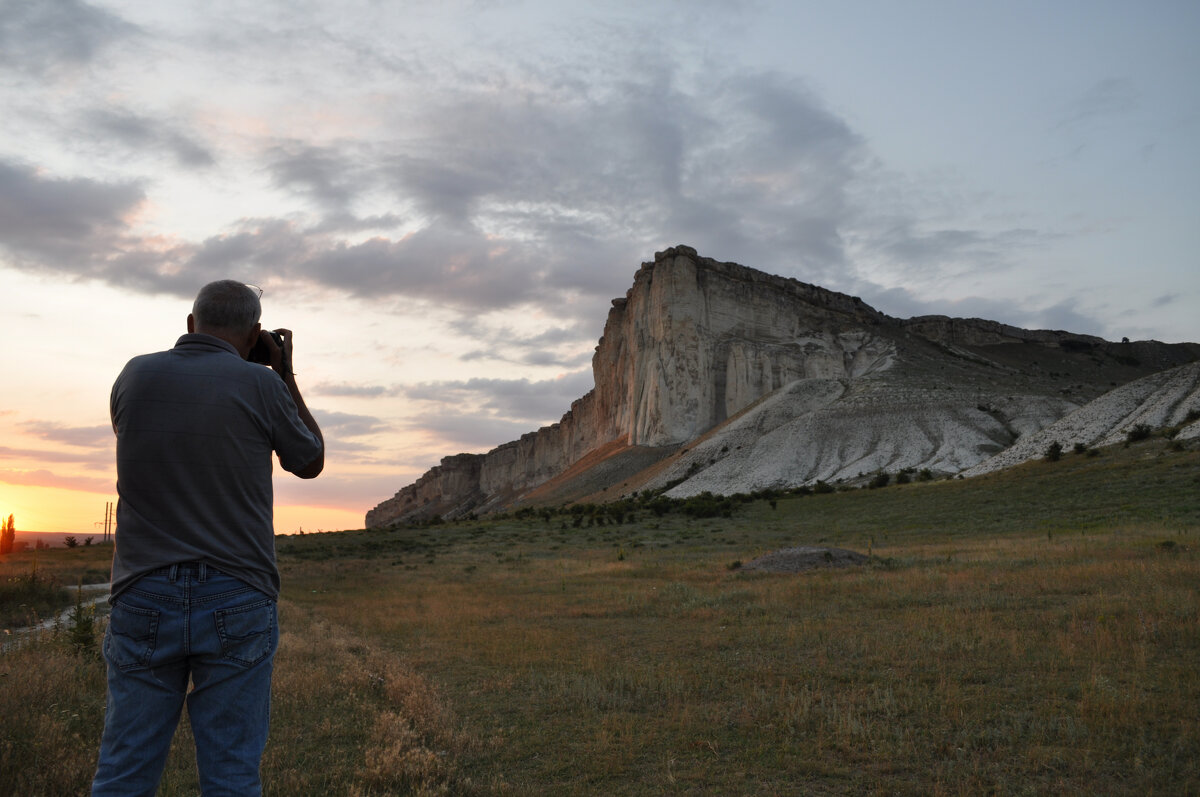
1140,432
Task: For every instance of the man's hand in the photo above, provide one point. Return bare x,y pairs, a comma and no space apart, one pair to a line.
281,356
281,361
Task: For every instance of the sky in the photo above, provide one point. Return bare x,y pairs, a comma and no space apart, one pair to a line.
442,199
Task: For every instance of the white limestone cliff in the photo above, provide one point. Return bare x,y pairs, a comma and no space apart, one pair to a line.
742,380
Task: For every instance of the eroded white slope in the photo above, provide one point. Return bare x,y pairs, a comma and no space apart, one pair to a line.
1158,400
832,430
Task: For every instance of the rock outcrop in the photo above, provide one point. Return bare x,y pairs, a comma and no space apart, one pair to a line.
714,376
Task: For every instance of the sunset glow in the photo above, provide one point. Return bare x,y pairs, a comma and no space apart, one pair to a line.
53,510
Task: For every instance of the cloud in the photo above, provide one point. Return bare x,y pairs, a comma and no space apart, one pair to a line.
903,303
946,253
347,389
83,436
91,460
517,198
349,491
450,430
344,424
513,188
1105,98
519,400
67,225
473,414
343,222
1065,316
325,174
45,478
7,452
456,266
140,133
48,36
570,346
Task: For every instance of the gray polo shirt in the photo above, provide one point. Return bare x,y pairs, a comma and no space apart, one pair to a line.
196,426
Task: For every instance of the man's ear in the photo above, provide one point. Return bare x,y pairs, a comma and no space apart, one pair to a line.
253,340
191,324
248,343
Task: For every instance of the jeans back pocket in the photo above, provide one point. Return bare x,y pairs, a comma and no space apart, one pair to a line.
132,635
247,632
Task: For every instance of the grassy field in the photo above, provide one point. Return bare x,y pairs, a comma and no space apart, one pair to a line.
1031,632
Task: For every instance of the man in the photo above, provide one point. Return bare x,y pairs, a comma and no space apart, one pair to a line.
194,579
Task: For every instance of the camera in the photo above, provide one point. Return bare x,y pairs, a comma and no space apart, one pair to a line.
261,353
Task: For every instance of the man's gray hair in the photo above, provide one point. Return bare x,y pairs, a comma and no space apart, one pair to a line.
226,305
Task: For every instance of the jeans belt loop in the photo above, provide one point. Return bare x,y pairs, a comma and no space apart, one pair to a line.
202,575
174,574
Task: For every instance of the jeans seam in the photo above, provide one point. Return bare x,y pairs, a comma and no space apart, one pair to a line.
187,615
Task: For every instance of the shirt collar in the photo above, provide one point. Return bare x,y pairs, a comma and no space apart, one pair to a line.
198,341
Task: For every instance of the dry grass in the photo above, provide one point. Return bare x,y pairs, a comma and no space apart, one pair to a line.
347,719
955,666
51,712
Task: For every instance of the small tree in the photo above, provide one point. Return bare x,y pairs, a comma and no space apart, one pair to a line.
70,541
8,535
83,623
1054,452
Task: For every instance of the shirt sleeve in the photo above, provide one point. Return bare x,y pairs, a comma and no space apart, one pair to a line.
295,444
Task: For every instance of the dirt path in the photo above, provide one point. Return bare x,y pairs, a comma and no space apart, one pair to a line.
91,594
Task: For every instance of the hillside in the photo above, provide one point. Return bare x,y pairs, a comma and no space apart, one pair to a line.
716,377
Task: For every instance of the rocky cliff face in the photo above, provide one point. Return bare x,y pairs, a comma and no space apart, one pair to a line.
696,341
785,383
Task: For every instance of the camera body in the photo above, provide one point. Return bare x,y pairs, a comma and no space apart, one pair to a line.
261,353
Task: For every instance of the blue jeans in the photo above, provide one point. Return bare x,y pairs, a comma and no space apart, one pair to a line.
187,622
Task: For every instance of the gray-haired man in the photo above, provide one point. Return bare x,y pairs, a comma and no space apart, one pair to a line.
194,574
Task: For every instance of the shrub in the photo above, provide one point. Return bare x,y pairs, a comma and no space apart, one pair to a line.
1140,432
707,505
1054,452
82,623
